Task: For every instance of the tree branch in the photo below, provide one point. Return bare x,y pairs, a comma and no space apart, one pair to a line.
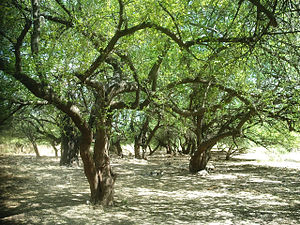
186,113
268,13
59,2
121,15
172,17
35,36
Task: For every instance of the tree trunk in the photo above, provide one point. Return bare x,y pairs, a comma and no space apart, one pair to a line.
69,144
69,151
200,159
103,190
154,150
189,146
169,148
228,153
137,147
140,140
119,148
144,150
97,169
35,148
31,137
54,148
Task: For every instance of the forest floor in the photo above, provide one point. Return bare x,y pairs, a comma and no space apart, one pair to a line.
159,190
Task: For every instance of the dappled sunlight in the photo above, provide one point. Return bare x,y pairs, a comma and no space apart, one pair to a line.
224,176
262,156
150,191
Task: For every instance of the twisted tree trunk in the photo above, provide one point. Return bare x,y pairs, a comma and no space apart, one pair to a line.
200,159
104,179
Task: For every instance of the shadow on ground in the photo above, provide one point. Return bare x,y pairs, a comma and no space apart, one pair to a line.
38,191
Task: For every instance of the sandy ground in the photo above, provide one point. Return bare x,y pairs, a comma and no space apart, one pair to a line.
159,190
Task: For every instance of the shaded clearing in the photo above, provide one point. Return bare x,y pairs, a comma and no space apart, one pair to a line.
156,191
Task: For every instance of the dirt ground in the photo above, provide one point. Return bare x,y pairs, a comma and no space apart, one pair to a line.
154,191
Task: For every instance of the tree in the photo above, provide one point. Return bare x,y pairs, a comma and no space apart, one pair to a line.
37,122
44,73
223,92
192,58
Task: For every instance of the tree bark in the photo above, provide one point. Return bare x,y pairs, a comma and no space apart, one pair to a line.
119,148
69,150
31,137
97,169
137,147
69,143
169,148
188,147
140,140
35,36
199,160
102,191
54,148
35,148
154,150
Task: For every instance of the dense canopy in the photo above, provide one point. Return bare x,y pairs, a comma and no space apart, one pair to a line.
195,71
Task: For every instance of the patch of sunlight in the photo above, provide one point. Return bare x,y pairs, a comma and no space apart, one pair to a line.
187,195
35,205
13,218
180,222
12,204
277,203
45,150
258,153
114,164
29,193
139,161
50,168
72,212
271,200
290,165
282,164
260,180
5,166
128,149
80,194
222,213
223,222
223,176
293,156
121,216
149,192
61,186
272,157
204,193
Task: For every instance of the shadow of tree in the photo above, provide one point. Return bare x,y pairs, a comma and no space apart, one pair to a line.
237,192
30,185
